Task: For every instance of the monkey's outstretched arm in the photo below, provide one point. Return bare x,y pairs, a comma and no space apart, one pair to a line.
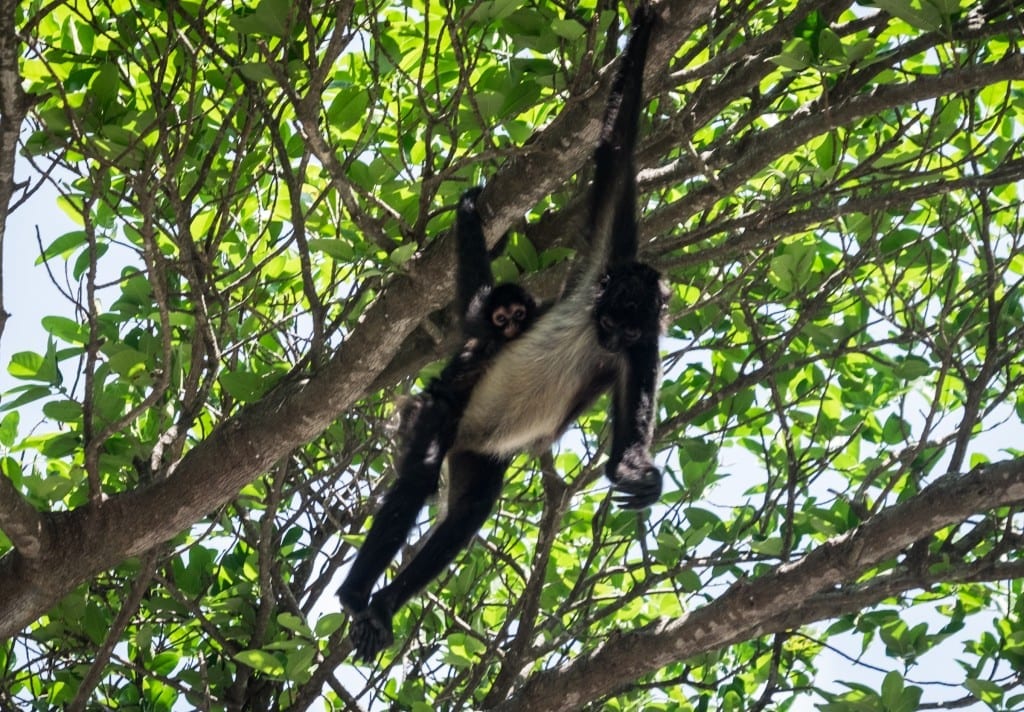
473,266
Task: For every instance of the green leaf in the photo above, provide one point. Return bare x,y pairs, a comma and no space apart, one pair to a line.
826,152
261,661
831,46
896,430
783,273
63,246
568,29
892,690
403,254
243,386
796,55
28,394
31,366
105,84
699,450
491,10
348,108
12,471
66,329
985,690
86,258
269,18
164,663
299,663
463,650
9,428
523,252
768,547
519,97
128,362
912,368
340,250
923,16
294,623
328,623
701,517
63,411
56,445
257,71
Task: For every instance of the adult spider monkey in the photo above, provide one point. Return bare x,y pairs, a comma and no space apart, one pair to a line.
491,316
602,334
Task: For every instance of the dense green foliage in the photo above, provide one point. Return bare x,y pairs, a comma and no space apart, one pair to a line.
833,190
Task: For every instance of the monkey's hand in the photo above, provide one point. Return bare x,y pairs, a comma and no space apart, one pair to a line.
467,204
370,631
644,15
636,480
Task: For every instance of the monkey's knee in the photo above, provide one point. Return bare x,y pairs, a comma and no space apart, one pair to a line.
475,500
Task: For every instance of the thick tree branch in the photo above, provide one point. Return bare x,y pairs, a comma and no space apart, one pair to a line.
21,522
773,602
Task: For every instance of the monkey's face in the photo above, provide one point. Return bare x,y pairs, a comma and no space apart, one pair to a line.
512,311
629,306
510,320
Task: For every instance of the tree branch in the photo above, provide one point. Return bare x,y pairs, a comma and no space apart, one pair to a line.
777,600
21,522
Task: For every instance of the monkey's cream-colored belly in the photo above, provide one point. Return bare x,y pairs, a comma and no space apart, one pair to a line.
527,394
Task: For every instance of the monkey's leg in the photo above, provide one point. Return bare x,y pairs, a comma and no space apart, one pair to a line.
419,472
478,481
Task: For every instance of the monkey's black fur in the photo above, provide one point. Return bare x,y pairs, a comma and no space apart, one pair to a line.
602,334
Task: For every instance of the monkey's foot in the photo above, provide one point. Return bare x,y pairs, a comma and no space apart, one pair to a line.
370,633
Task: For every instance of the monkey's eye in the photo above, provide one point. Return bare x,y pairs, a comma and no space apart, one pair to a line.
631,333
499,319
607,323
519,313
